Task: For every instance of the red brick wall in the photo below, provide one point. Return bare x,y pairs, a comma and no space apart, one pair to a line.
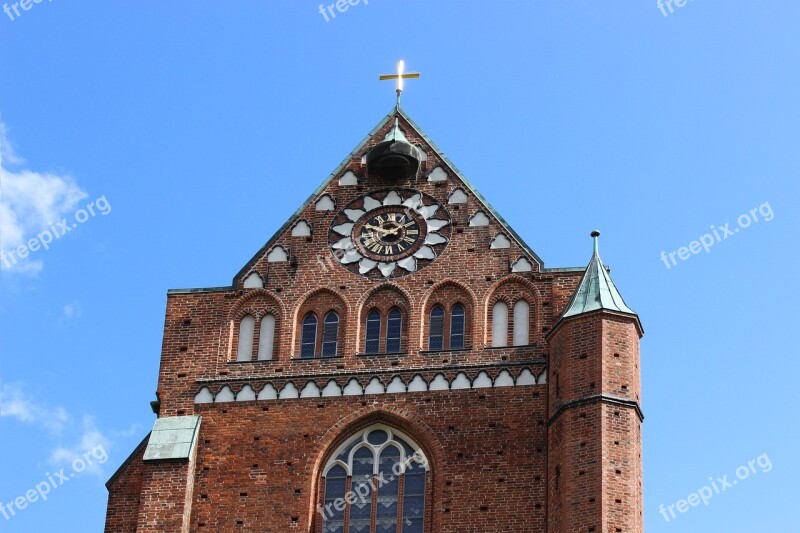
260,462
124,495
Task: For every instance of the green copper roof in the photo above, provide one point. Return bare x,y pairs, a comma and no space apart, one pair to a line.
596,290
395,134
173,438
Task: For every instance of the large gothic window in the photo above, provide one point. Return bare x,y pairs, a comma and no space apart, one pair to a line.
375,482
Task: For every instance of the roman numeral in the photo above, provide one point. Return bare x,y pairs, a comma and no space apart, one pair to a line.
412,232
388,250
409,240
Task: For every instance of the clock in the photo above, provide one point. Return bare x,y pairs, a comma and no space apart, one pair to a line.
389,233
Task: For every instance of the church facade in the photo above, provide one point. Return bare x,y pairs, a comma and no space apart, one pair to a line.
394,359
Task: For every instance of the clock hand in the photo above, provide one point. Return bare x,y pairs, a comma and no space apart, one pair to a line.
376,228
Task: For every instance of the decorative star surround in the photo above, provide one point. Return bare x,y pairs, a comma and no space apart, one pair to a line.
432,217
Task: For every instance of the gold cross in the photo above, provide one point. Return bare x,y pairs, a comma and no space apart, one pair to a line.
400,76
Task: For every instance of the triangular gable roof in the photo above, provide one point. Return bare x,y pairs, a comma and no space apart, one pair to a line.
319,190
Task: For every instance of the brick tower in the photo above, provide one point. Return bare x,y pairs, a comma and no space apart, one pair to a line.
594,417
381,365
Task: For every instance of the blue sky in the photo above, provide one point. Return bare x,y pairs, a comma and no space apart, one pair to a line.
200,127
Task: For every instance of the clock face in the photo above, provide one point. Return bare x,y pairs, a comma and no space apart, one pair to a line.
389,233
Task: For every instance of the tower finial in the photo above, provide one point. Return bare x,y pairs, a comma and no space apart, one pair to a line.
399,77
595,234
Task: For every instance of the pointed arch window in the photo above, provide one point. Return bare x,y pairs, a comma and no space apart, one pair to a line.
372,343
362,468
330,335
521,335
388,472
457,323
266,338
335,484
500,324
394,330
308,343
436,332
247,326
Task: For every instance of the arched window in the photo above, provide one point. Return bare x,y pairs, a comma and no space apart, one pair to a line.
394,329
362,469
521,315
330,334
457,321
266,338
388,473
308,343
372,343
247,327
335,485
500,324
436,333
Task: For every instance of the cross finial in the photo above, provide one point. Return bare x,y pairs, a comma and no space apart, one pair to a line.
399,77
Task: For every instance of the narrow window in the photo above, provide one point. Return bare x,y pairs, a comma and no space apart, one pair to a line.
389,492
373,340
500,324
266,338
436,334
457,319
330,335
335,487
308,345
521,315
394,328
247,327
361,514
413,498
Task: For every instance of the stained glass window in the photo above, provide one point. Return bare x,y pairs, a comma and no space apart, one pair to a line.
376,480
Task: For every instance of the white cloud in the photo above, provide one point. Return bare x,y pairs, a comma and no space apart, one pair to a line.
30,202
6,150
16,404
89,444
72,310
92,449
